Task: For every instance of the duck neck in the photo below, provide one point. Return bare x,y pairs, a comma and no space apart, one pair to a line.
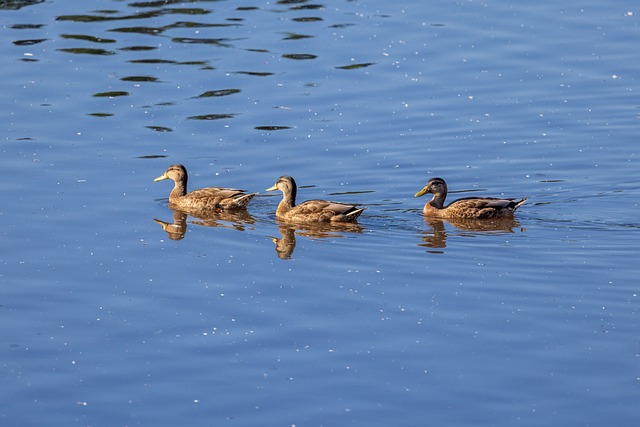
179,189
438,200
288,200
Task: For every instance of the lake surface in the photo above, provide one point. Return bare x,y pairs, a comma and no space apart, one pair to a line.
117,311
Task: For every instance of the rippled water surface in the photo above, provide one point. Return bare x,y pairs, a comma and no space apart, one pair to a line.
118,311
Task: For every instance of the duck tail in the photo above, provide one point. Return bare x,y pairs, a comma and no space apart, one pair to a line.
520,203
244,199
354,214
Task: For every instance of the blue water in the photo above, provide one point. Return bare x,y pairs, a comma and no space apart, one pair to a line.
107,319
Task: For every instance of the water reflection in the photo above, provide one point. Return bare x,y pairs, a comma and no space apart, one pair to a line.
286,243
18,4
234,220
154,34
240,219
110,15
437,237
177,229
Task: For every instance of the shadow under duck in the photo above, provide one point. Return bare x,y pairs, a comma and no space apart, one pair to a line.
312,210
204,198
468,207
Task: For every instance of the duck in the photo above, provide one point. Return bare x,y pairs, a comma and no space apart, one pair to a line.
204,198
468,207
311,211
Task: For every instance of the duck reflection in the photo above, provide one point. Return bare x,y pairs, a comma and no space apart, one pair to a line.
286,243
235,220
177,229
437,237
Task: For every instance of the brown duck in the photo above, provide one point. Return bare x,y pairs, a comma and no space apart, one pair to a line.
204,198
312,210
468,207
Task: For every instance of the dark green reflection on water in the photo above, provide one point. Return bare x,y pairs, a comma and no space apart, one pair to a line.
187,11
204,64
212,117
87,51
111,94
299,56
94,18
188,24
157,3
307,7
216,93
142,15
222,42
152,61
87,38
307,19
295,36
26,26
18,4
355,66
28,42
138,48
159,128
254,73
148,79
272,128
152,156
138,30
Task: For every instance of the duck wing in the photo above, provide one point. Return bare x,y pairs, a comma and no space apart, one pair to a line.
215,192
317,206
483,207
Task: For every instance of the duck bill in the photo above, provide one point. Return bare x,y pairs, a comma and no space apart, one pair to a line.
422,192
161,178
272,188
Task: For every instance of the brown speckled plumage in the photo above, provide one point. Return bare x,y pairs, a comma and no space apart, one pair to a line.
312,210
468,207
204,198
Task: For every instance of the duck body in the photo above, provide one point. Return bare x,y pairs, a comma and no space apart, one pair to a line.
468,207
203,199
311,211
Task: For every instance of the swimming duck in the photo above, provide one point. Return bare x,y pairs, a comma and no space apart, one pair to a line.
204,198
468,207
311,210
